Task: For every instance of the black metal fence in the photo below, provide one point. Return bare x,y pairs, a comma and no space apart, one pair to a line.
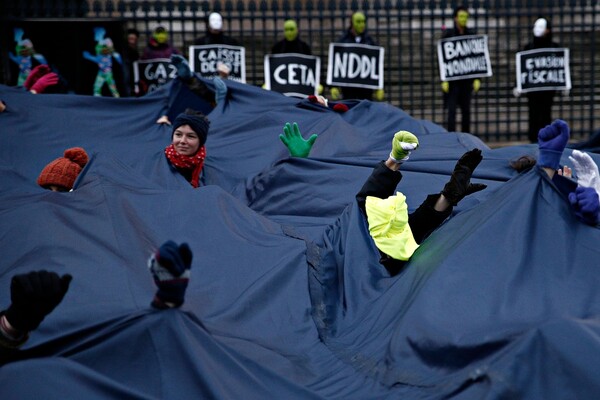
408,30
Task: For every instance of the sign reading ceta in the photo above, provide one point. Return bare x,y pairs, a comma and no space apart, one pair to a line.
294,74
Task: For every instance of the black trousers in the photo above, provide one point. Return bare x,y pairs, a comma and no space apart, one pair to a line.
459,95
540,112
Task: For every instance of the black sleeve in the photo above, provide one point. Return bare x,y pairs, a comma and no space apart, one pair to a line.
425,218
381,183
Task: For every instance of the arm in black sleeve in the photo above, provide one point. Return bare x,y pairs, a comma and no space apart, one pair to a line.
425,218
381,183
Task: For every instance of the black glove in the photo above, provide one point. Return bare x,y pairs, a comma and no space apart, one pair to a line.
460,184
34,295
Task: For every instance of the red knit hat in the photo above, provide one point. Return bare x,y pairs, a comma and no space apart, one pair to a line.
64,170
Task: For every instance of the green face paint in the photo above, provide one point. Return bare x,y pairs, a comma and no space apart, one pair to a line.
461,19
161,37
290,30
359,22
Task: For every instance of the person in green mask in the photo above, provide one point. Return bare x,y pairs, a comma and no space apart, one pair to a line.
357,33
458,93
159,46
291,43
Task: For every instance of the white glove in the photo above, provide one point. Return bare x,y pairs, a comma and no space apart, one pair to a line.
516,92
586,170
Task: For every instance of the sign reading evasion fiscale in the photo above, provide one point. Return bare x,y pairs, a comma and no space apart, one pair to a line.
292,74
543,69
464,57
355,65
205,59
148,75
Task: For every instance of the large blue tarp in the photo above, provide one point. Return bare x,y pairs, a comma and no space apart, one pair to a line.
287,298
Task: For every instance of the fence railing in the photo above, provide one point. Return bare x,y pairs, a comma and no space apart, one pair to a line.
408,30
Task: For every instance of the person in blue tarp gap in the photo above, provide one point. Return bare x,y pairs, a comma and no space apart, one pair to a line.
36,294
186,153
291,42
584,200
539,102
396,233
458,93
196,86
60,174
357,33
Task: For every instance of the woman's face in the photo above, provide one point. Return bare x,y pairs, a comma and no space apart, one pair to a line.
186,141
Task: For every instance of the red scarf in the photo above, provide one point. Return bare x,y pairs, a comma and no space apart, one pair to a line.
194,163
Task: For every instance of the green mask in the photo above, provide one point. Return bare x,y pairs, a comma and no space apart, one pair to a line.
359,22
461,19
290,30
161,37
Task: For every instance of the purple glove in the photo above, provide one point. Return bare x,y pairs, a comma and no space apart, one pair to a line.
44,82
36,74
584,201
34,295
170,268
552,140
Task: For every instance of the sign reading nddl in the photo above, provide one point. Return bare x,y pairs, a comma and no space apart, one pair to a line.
205,59
292,74
148,75
464,57
543,69
355,65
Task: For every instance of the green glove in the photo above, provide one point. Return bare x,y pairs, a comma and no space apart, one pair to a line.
294,141
403,143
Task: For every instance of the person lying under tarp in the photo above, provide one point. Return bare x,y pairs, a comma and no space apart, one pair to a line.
397,234
34,295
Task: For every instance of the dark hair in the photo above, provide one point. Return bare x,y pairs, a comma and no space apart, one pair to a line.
160,29
523,163
458,9
132,31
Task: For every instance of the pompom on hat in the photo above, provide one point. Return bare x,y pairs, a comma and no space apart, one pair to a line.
64,170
